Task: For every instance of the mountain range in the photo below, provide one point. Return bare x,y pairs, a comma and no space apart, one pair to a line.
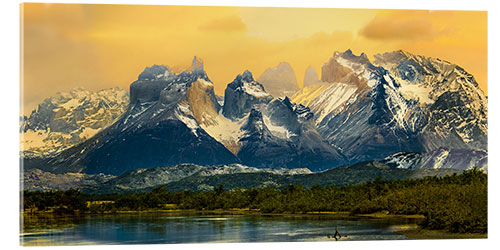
67,119
405,110
399,103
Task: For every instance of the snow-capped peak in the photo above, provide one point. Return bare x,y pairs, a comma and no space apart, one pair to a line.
69,118
349,55
246,76
245,83
243,94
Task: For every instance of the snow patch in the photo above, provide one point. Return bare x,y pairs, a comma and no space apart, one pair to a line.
72,103
418,92
276,130
225,129
253,89
440,159
358,68
326,99
184,114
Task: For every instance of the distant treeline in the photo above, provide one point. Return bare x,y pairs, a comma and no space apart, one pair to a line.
457,203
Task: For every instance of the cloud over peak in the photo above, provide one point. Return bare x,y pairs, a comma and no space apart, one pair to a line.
413,28
224,24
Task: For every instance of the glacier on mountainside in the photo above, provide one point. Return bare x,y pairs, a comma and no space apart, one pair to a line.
399,103
66,119
418,107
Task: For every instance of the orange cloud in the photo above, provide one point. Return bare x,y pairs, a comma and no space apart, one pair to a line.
460,37
413,28
225,24
103,46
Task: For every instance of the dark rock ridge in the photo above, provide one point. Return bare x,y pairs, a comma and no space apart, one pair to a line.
458,108
363,111
402,103
311,150
140,179
368,128
441,158
236,176
260,147
243,94
159,129
276,132
36,179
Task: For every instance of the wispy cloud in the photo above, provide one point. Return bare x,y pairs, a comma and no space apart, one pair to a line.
387,28
225,24
101,46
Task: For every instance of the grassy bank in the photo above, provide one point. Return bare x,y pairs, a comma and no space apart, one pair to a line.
428,234
455,204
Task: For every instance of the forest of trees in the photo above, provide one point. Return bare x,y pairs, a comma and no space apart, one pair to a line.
456,203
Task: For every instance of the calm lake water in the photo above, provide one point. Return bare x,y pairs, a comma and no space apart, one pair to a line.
164,228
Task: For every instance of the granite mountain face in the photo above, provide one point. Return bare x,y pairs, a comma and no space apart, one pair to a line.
456,107
270,132
67,119
158,129
399,103
405,110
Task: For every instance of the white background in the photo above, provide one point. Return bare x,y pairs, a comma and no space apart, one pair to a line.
9,122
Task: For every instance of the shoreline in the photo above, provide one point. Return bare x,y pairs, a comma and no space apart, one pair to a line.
411,232
427,234
387,215
194,211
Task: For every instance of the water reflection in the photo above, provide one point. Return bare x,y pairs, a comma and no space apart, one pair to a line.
195,228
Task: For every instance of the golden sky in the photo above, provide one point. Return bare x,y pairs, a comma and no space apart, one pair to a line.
102,46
